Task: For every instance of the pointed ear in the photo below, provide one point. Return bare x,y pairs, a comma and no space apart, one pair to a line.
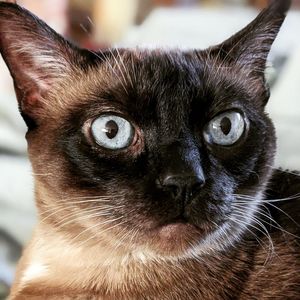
250,47
37,57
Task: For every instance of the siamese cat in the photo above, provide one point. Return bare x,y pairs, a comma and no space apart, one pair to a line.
153,168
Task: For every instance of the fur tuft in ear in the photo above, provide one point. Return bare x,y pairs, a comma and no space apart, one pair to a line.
250,47
36,56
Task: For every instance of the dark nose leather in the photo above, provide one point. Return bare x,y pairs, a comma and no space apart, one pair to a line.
181,170
183,186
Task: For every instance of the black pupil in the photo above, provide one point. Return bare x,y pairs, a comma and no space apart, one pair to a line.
111,129
226,125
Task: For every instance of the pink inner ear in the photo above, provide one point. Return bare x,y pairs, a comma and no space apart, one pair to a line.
29,101
33,99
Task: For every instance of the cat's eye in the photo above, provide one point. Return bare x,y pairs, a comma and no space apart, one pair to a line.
112,132
225,129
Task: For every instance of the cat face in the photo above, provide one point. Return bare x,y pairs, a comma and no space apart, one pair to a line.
146,151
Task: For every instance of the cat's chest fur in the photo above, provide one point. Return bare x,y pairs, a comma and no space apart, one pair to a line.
253,269
248,276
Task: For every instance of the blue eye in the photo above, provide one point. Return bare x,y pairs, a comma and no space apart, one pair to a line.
112,132
225,129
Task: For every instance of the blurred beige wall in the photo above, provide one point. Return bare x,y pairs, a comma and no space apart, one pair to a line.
112,18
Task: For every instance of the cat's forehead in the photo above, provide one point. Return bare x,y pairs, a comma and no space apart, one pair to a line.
141,82
140,68
159,79
152,74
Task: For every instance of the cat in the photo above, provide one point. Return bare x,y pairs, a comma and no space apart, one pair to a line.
153,168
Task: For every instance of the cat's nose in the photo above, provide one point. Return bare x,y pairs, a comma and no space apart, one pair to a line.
184,186
181,174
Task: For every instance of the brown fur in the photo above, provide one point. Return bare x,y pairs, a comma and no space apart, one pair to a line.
70,258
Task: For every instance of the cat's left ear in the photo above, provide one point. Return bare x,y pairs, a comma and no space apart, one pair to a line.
38,58
250,47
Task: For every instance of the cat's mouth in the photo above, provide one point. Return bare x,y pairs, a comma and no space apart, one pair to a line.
177,233
176,229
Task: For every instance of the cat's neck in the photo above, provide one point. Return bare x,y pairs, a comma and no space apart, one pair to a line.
52,260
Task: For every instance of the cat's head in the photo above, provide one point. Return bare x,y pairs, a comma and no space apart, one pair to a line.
147,151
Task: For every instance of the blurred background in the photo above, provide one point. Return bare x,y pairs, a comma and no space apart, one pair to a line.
97,24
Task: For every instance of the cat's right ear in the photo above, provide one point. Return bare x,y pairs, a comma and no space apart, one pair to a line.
249,48
37,57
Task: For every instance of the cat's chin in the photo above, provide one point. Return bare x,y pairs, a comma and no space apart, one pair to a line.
177,229
176,238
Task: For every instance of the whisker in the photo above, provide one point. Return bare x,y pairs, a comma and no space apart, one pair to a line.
104,212
103,231
269,202
76,216
277,226
263,231
107,63
129,232
124,68
97,224
122,80
84,29
70,204
285,213
86,199
293,197
124,234
119,67
248,229
90,21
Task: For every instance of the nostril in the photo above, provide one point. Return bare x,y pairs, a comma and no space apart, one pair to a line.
197,186
172,185
179,184
174,190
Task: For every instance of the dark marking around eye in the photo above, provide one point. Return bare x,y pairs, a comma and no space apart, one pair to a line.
111,129
225,125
